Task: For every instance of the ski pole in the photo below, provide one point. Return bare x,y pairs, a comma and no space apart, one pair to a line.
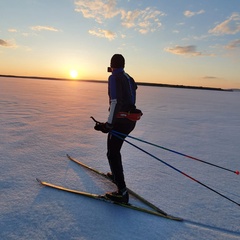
186,175
173,151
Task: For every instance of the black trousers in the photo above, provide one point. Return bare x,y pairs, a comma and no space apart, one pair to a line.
114,145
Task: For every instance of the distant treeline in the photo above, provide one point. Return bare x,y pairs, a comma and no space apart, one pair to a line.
182,86
139,83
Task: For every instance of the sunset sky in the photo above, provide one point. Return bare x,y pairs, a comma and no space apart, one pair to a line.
181,42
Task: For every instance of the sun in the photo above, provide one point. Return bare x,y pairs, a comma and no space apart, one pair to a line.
73,73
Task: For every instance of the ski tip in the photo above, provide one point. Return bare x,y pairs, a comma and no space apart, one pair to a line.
237,172
38,180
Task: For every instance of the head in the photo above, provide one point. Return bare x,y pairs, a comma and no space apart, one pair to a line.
117,61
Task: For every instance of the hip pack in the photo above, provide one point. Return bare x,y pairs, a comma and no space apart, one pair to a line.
133,115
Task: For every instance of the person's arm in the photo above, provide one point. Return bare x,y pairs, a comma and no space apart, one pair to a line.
113,96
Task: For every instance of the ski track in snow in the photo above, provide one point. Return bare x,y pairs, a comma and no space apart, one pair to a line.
41,121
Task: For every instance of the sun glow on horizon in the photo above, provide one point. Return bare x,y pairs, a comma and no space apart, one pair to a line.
73,73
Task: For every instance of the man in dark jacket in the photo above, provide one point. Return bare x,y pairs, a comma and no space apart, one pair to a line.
122,118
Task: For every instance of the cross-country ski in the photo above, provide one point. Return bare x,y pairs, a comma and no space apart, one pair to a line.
103,198
129,190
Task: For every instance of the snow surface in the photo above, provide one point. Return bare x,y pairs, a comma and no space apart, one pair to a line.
42,120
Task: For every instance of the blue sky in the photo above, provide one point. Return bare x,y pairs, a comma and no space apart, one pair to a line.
182,42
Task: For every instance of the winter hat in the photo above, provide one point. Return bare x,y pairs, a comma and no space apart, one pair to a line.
117,61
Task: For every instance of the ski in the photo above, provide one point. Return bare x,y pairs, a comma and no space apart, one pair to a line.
129,190
105,199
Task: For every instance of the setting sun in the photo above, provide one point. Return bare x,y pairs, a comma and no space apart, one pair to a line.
73,73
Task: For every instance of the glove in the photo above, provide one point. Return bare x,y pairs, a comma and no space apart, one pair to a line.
103,127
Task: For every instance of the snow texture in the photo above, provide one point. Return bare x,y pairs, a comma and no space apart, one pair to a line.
42,120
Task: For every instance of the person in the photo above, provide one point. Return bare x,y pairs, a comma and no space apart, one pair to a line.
122,118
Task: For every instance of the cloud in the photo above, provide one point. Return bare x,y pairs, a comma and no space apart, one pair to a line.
209,77
103,34
146,20
184,50
12,30
3,43
7,44
143,21
45,28
229,26
191,14
97,9
234,44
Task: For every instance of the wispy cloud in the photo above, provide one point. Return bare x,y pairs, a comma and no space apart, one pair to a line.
184,50
103,34
210,77
233,44
191,14
12,30
97,9
146,20
141,20
44,28
229,26
7,44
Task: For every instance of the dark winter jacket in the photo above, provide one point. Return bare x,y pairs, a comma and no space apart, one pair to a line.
122,93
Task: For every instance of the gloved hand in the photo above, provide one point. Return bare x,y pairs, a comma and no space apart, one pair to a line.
103,127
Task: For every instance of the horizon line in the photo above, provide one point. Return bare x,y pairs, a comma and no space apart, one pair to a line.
105,81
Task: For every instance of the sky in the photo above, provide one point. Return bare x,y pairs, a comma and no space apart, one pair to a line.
181,42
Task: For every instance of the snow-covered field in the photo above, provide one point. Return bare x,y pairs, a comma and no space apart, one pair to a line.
42,120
